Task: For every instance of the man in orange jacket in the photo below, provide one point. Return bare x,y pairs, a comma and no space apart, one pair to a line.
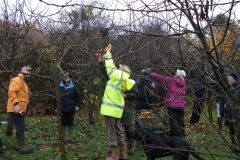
18,102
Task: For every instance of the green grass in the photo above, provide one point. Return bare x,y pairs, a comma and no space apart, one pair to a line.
91,140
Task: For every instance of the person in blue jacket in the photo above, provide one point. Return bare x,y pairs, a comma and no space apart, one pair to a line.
70,101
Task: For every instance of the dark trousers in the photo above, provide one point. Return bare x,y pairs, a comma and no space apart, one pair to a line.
176,119
68,118
197,110
18,122
127,121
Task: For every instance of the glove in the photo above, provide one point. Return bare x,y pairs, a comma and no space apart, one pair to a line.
99,56
108,53
76,108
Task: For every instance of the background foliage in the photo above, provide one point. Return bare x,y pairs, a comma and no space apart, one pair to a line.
164,35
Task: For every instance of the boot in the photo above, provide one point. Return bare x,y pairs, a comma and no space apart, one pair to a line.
22,148
237,148
114,154
70,131
123,152
130,149
17,143
64,133
220,123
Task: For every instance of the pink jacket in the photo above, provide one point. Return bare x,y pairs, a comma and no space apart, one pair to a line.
175,90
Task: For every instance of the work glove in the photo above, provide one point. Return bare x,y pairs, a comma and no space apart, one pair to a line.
76,108
108,54
99,56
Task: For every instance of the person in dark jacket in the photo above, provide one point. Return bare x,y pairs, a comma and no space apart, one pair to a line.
219,99
199,92
130,104
146,92
70,101
233,80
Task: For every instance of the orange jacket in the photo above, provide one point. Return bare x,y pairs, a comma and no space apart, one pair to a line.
18,92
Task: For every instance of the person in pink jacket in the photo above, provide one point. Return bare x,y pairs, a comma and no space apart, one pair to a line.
174,99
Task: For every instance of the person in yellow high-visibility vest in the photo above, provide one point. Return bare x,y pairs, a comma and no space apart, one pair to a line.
113,105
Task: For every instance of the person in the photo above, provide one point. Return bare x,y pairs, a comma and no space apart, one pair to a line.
199,92
17,106
233,80
146,92
130,104
219,99
174,99
70,101
113,104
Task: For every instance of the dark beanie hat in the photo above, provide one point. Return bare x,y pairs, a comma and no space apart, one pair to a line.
234,75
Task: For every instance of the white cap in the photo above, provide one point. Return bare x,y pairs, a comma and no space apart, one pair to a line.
124,67
181,73
26,70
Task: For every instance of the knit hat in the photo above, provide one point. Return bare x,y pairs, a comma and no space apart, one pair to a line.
234,75
181,73
66,74
124,67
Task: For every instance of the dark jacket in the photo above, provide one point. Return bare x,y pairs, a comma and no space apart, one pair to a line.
145,85
227,109
69,97
199,89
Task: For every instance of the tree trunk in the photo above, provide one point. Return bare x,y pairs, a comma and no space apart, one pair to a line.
59,115
90,115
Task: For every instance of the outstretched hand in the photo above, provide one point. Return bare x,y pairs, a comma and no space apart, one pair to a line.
99,56
108,48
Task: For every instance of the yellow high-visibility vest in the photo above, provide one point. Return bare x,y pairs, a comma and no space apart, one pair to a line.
119,82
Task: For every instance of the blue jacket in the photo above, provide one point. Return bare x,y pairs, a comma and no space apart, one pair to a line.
69,97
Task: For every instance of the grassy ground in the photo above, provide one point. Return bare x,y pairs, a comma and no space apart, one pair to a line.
41,133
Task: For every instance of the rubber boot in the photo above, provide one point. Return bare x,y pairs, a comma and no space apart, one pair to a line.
123,152
237,148
233,140
70,131
114,154
220,123
22,148
130,148
64,133
17,143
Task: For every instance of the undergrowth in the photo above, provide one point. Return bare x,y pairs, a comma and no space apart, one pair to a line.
41,133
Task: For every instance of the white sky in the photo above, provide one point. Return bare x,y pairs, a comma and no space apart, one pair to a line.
38,6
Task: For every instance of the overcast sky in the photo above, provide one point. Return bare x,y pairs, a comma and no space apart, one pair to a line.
38,6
